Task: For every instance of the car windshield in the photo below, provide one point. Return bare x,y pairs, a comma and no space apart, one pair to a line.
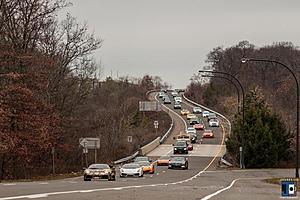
191,129
131,166
99,166
138,159
207,131
144,163
164,158
181,144
213,120
177,159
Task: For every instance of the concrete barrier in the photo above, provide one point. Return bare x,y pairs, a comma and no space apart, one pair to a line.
150,146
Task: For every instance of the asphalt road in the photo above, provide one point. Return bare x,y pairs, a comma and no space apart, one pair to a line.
203,180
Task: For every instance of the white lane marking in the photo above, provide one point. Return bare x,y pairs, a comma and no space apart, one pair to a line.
118,188
44,183
219,191
9,184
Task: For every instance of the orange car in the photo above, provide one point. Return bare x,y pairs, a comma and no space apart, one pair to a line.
163,160
184,112
147,166
208,134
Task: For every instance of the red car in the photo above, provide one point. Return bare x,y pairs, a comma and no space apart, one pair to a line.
208,134
199,126
190,147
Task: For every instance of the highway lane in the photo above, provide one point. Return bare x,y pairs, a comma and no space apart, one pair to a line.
72,186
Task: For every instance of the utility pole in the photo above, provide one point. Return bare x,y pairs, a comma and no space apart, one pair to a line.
53,160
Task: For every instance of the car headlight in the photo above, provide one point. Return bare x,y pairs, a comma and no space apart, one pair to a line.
184,148
121,170
175,148
87,171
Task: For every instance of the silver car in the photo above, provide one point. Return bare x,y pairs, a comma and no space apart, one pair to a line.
101,171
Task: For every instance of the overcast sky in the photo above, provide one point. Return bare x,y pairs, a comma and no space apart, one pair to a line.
171,38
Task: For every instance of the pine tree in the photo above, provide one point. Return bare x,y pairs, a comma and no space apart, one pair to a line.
266,136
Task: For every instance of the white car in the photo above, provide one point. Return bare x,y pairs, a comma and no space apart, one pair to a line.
178,99
174,94
213,123
205,113
131,169
197,110
191,130
161,94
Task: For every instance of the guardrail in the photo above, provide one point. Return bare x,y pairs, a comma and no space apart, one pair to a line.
150,146
167,133
210,110
122,160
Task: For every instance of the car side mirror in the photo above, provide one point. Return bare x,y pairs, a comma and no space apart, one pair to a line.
84,168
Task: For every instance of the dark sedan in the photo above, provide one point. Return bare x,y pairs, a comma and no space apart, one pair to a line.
178,163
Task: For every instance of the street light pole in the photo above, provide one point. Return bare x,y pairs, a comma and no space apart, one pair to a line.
228,79
243,109
245,60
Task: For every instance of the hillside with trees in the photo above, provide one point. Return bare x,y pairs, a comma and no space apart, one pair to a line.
51,95
274,81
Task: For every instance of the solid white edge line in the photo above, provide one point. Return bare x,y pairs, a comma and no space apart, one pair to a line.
219,191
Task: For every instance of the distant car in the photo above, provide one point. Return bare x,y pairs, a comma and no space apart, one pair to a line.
179,163
197,110
213,123
174,94
177,105
141,158
191,130
211,116
163,160
147,166
193,138
181,147
208,134
161,94
131,169
199,126
101,171
190,147
163,90
194,121
184,112
205,113
189,116
178,99
167,100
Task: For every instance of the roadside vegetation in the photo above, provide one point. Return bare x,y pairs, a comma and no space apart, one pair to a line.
51,95
275,85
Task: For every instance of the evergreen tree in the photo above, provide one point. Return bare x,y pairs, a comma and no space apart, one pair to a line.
266,136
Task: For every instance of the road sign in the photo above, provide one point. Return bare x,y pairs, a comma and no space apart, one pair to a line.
149,106
84,150
129,138
155,124
288,188
90,143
